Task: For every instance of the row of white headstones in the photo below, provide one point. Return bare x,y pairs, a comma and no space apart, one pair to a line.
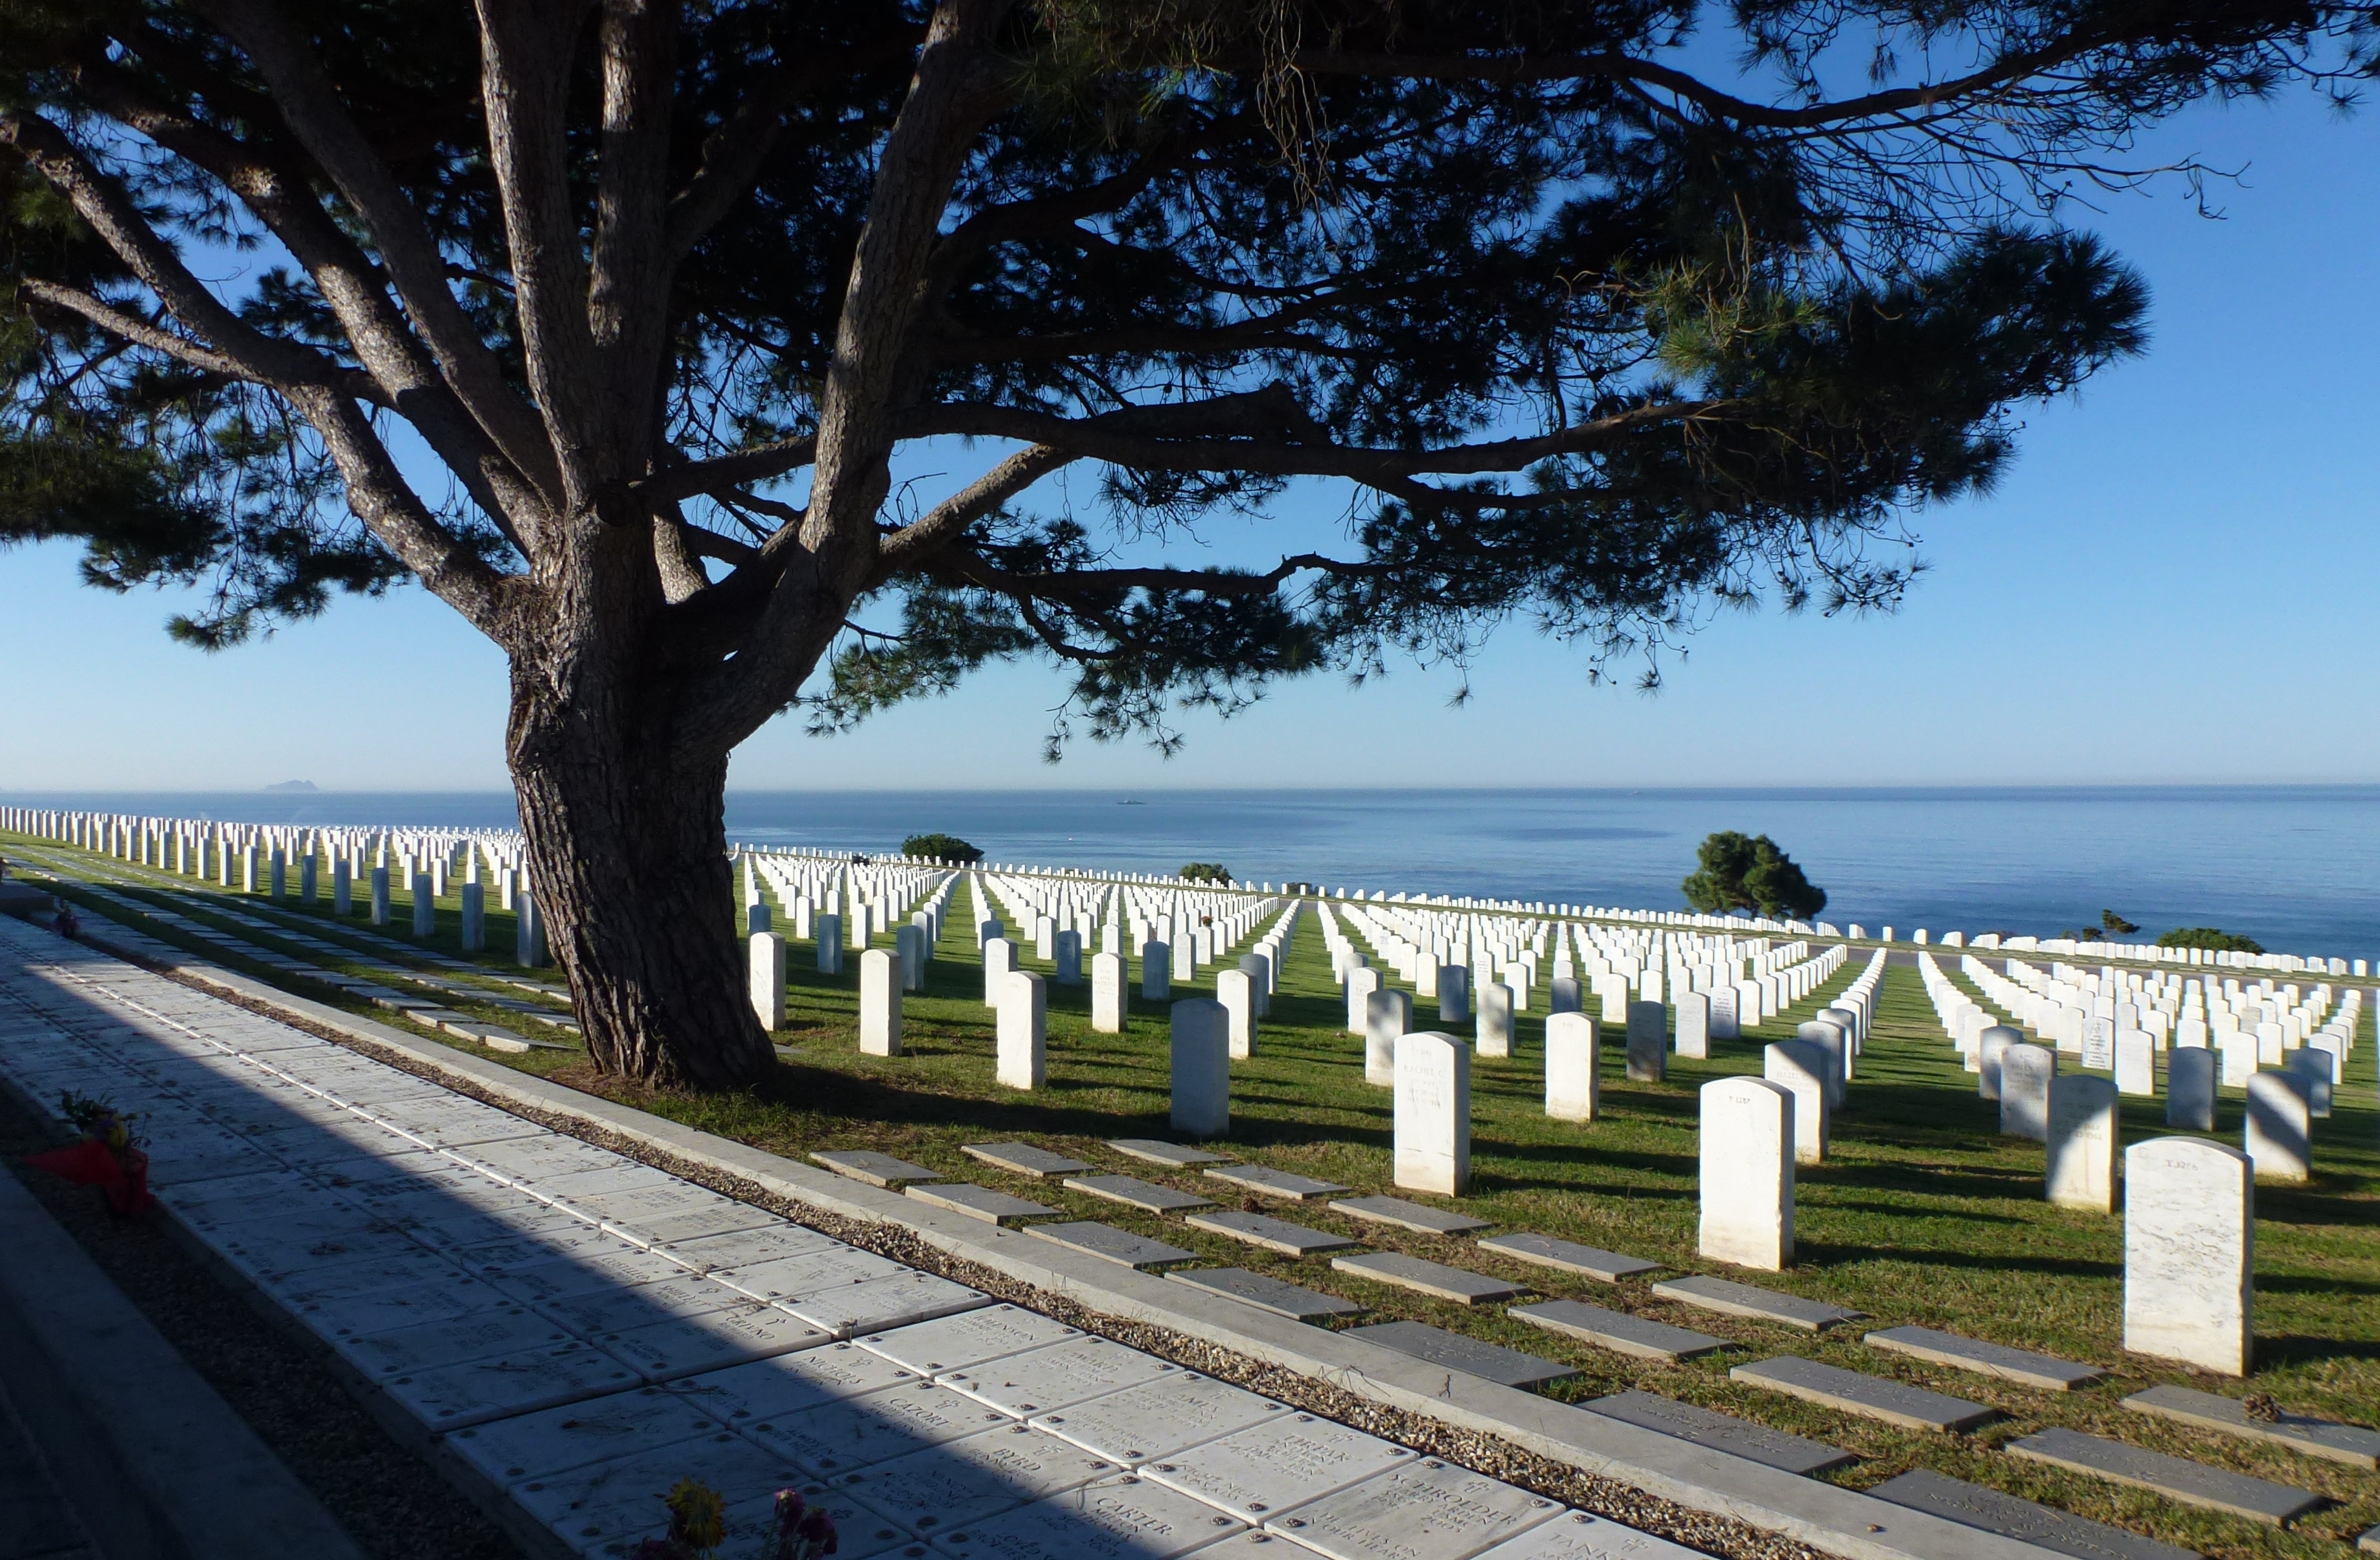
2190,1219
2188,1202
140,836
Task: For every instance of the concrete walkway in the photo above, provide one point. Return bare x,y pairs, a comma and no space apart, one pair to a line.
571,1332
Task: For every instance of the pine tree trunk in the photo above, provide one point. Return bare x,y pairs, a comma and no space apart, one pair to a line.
626,854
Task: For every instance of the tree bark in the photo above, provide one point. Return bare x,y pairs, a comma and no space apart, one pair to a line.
627,861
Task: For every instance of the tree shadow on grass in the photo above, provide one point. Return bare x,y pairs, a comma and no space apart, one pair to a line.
1989,1185
1685,1167
2290,1348
1823,1254
2312,1284
1899,1211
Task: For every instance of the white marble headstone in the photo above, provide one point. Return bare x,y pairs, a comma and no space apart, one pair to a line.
1747,1174
1570,1067
1433,1114
2190,1253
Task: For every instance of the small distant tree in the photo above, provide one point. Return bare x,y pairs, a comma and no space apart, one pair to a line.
2116,926
2211,937
1205,872
940,847
1744,872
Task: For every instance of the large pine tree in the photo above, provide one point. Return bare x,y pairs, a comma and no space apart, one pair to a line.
606,320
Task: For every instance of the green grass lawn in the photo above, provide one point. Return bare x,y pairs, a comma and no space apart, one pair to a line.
1923,1216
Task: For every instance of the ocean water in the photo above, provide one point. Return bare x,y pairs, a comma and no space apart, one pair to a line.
2292,867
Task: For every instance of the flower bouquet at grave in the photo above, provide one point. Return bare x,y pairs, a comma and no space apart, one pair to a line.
698,1524
109,1154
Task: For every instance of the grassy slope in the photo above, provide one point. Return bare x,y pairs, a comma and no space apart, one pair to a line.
1923,1216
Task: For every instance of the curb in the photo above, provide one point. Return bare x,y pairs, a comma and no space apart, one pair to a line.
1826,1517
151,1459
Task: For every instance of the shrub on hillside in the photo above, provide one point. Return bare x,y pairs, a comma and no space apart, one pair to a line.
940,847
1205,872
1740,872
2212,937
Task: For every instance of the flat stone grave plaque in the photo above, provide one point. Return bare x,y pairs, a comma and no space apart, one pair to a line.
602,1429
687,1345
979,1202
1590,1261
1436,1345
1616,1330
527,1247
1924,1489
1266,1293
746,1248
1120,1519
1432,1278
1912,1408
1159,1419
855,1432
944,1488
1575,1535
1273,1235
1057,1375
617,1503
1160,1153
2193,1483
348,1280
1278,1465
1743,1299
1424,1510
2043,1371
1407,1215
533,1161
276,1263
444,1299
619,1267
2369,1542
1268,1182
1721,1433
875,1169
1134,1192
1022,1159
751,1397
848,1309
481,1390
710,1215
607,1308
2350,1444
1106,1241
789,1278
964,1341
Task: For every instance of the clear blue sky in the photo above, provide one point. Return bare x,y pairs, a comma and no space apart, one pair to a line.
2170,587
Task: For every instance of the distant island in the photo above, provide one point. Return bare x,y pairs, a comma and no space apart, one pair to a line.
294,785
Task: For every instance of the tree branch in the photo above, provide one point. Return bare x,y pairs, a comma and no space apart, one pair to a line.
526,51
733,154
1138,437
1518,68
962,509
402,375
724,473
111,215
311,107
139,333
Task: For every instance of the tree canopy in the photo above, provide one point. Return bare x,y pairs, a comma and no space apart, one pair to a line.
622,325
2211,937
940,847
1742,871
